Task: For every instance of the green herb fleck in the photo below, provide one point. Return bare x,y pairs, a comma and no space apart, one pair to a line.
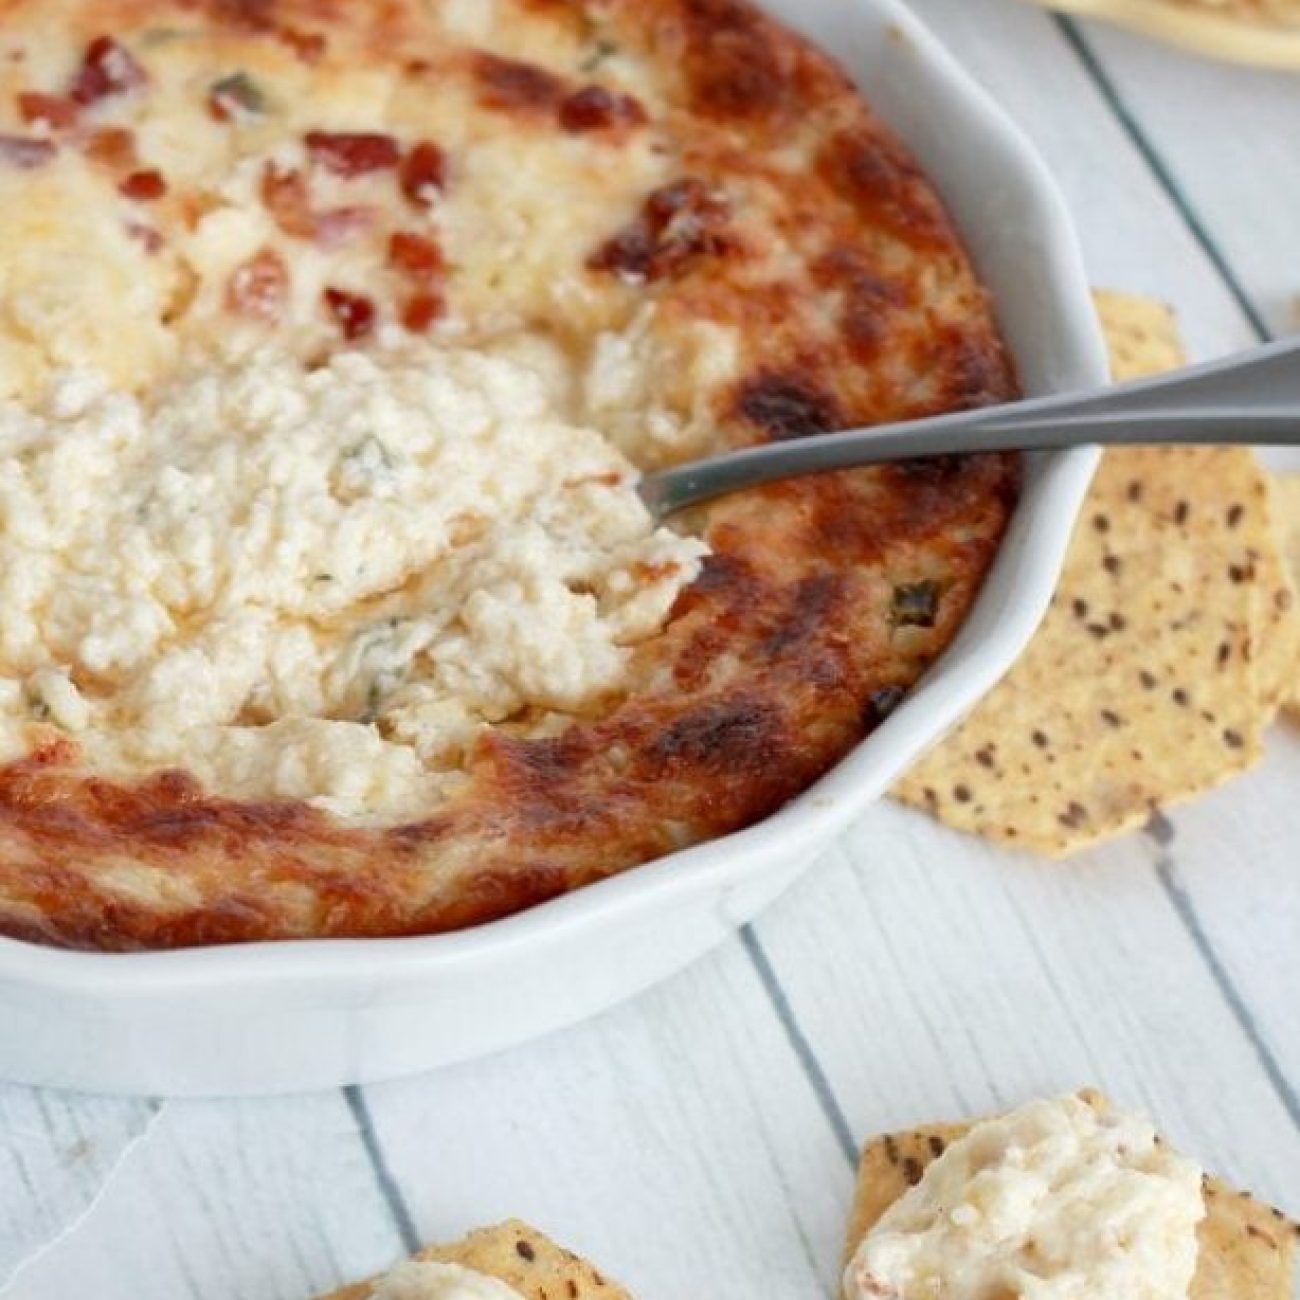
242,91
601,50
36,703
915,604
369,455
156,36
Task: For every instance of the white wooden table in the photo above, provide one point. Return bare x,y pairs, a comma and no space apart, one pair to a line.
700,1141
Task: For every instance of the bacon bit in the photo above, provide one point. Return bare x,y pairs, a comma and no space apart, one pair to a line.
153,242
416,256
676,224
288,199
422,310
54,111
260,287
424,174
593,108
112,147
341,226
108,69
685,199
509,84
23,153
55,753
144,186
647,573
610,478
310,47
289,202
420,260
353,154
353,312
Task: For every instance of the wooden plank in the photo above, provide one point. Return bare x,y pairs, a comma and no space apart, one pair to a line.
938,978
1134,237
676,1141
55,1152
1227,136
264,1200
1235,858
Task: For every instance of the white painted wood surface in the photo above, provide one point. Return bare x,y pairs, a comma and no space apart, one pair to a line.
698,1142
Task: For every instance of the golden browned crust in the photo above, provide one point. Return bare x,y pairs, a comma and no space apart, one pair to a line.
822,604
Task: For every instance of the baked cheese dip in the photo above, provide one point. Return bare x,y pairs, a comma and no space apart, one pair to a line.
333,338
1055,1201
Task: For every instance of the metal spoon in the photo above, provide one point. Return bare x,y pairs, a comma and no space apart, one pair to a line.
1253,397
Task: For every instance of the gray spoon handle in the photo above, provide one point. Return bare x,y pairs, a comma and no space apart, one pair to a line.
1253,397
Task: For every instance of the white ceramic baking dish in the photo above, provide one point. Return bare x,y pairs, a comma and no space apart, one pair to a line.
288,1016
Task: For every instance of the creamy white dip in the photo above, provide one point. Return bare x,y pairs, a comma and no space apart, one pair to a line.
1054,1201
320,584
424,1280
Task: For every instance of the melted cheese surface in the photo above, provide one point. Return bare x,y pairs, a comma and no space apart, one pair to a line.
92,278
258,522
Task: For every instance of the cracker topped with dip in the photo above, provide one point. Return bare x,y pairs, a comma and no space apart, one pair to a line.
1060,1200
510,1261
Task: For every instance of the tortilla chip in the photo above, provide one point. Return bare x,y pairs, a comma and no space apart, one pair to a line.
1286,498
1265,33
522,1257
1163,656
1143,338
1278,630
1141,334
1247,1250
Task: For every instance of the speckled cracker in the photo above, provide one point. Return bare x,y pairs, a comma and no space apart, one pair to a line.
1143,338
1247,1250
1263,32
522,1257
1167,649
1286,498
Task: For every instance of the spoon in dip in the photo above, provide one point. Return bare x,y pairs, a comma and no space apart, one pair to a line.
1251,397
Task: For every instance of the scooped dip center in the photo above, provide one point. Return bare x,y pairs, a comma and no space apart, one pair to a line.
319,584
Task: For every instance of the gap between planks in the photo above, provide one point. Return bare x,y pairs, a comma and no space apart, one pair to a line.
355,1100
1163,175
